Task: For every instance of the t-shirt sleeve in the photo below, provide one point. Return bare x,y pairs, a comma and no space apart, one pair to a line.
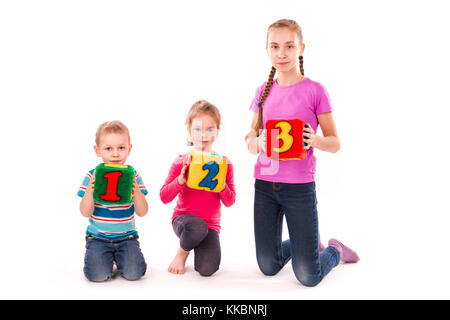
254,104
322,100
140,183
85,183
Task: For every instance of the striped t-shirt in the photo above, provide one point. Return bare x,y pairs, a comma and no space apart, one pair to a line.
111,222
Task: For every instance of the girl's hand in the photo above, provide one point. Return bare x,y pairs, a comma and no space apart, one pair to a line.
262,141
309,137
182,177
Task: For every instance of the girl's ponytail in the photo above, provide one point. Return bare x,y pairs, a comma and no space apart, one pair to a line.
259,124
300,58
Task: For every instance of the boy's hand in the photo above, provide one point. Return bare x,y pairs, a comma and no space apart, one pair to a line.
136,189
87,202
140,204
182,177
90,186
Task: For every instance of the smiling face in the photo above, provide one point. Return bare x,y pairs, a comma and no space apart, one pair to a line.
203,132
113,148
284,48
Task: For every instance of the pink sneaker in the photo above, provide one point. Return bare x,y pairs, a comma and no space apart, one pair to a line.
347,254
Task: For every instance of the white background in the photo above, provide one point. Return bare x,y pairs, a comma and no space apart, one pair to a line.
67,66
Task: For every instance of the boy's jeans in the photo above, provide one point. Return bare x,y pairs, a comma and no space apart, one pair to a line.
296,201
101,255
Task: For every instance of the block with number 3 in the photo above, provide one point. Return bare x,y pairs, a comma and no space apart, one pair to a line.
285,139
207,171
113,183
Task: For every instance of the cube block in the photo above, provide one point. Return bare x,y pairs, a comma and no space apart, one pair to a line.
113,183
207,171
285,139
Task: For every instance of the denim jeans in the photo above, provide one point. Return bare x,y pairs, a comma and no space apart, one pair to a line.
195,234
298,203
101,255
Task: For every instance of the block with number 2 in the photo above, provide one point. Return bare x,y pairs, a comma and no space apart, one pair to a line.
207,171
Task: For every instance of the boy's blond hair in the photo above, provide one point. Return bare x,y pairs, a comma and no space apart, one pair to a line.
114,126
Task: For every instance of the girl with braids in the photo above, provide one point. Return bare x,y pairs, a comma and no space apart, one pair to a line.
287,188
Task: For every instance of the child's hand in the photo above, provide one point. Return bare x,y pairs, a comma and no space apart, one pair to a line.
90,186
182,177
309,136
262,141
135,188
140,204
87,202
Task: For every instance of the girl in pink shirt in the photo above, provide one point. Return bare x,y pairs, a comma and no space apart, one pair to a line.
196,218
287,188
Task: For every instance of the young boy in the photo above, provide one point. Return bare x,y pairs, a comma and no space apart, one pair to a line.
111,235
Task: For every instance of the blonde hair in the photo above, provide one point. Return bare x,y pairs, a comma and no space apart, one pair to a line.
282,23
114,126
202,107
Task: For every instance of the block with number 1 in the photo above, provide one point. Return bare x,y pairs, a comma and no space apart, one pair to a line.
113,183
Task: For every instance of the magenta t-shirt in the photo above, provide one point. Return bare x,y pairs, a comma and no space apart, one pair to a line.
303,100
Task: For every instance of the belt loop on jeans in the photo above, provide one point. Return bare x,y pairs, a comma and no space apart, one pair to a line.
276,186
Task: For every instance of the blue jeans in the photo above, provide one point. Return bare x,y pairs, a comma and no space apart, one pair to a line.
298,202
101,255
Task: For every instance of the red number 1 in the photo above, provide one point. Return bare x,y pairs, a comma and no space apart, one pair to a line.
111,187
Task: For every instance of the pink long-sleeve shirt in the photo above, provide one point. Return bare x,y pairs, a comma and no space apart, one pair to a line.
203,204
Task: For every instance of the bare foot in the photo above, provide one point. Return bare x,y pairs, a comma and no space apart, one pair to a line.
178,263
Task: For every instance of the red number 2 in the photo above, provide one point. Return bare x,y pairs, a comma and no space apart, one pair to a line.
111,187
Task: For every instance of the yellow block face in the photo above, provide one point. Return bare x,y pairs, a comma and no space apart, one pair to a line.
207,171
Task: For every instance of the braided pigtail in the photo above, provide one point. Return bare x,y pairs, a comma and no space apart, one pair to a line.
302,71
269,84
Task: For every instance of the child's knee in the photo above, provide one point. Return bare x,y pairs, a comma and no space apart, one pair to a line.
97,275
194,233
268,264
308,279
207,270
197,228
133,276
134,272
